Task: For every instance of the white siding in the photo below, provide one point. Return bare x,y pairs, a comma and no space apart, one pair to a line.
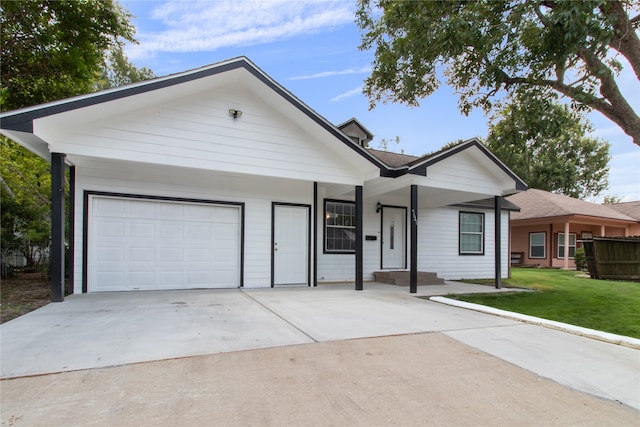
198,132
256,192
463,172
438,245
341,267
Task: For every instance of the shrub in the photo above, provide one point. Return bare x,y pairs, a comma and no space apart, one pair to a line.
580,259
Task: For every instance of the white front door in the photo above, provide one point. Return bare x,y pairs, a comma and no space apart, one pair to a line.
290,245
394,237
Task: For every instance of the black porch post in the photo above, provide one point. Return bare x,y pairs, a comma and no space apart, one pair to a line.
315,234
413,274
498,241
56,254
359,224
70,264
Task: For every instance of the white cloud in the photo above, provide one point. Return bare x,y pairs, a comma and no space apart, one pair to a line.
348,94
323,74
196,26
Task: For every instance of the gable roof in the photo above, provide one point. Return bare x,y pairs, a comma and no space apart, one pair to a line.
355,122
536,203
17,122
631,209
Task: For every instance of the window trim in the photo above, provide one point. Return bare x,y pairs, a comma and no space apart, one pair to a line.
544,245
324,227
574,246
482,234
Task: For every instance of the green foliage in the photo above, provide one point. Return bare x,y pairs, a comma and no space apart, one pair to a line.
118,71
580,259
486,46
25,201
611,199
55,49
547,145
604,305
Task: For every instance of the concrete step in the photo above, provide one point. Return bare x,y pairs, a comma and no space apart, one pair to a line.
401,278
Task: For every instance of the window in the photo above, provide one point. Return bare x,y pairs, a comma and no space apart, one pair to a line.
471,233
537,247
572,245
340,227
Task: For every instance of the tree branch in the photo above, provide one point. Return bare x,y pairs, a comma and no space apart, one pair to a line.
625,39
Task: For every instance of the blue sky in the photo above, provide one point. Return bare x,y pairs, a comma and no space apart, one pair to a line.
311,48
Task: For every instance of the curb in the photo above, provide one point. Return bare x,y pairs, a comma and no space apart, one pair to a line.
565,327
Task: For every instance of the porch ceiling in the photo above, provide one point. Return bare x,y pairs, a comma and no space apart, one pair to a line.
429,196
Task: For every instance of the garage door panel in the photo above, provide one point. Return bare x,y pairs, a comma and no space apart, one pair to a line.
176,246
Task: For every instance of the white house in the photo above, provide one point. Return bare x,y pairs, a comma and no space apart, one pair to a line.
220,177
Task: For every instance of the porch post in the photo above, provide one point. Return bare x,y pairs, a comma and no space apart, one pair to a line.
56,253
565,266
72,223
315,233
359,225
498,241
413,274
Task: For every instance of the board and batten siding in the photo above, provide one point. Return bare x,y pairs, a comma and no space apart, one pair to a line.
198,132
438,251
148,180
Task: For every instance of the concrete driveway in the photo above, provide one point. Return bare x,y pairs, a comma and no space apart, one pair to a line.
113,329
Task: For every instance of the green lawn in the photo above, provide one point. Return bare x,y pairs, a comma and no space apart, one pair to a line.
605,305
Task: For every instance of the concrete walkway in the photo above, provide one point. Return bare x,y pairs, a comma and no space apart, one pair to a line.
93,331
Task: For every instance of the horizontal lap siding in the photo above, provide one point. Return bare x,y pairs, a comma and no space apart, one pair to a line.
341,267
200,133
256,193
462,172
438,245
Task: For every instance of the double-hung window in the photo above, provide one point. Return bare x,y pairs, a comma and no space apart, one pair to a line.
572,245
537,247
471,241
340,226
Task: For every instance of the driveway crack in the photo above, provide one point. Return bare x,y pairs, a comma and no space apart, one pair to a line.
278,315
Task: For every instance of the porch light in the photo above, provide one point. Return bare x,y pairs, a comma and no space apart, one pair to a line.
378,207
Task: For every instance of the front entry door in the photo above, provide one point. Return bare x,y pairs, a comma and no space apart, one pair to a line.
290,245
394,237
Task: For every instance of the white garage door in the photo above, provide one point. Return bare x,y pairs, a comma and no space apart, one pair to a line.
138,244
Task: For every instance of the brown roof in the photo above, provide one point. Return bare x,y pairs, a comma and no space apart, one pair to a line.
542,204
631,209
393,159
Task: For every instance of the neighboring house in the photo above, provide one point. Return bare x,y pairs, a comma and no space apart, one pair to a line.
538,231
219,177
631,209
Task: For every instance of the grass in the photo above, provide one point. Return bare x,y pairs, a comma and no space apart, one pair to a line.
605,305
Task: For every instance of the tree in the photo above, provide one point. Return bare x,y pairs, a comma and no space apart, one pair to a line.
55,49
547,145
25,202
611,199
118,71
484,46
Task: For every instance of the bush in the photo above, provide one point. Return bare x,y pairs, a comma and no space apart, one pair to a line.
580,259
